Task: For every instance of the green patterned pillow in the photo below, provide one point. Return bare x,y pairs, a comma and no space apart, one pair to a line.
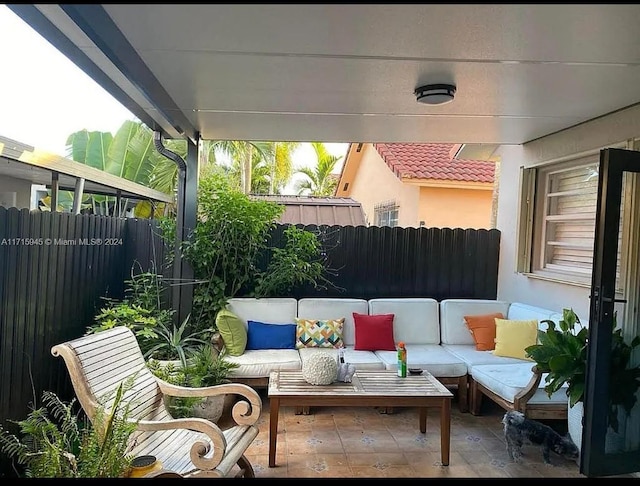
319,333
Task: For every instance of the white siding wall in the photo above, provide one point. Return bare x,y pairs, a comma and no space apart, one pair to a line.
596,134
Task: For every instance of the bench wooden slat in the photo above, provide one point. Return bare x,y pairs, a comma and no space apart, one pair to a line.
98,363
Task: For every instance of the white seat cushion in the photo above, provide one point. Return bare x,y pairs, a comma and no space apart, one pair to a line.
431,357
259,363
507,380
472,357
363,360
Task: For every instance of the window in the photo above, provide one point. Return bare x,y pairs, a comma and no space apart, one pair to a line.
386,214
558,217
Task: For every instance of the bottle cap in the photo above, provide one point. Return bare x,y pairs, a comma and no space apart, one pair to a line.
401,344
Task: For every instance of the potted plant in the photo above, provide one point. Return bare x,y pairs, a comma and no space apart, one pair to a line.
562,354
58,443
204,368
174,343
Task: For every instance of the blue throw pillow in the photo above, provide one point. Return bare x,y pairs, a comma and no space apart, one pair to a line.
261,335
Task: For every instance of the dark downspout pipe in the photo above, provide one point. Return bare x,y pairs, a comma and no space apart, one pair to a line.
180,209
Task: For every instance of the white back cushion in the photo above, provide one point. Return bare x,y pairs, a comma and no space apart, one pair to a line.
334,308
271,310
415,319
526,312
453,329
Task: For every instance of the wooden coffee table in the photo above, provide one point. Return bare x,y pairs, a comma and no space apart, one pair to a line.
368,388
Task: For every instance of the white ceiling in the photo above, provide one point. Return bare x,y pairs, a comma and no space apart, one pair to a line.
346,73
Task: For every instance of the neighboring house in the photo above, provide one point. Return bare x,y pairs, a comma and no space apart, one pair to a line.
331,211
418,184
27,174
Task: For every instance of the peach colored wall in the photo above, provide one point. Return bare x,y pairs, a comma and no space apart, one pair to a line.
438,207
455,208
376,184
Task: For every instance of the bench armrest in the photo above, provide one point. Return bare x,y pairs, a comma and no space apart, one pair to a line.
521,399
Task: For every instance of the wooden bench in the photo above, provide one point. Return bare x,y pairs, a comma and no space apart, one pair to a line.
191,447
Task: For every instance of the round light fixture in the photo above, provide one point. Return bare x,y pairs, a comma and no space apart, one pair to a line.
435,94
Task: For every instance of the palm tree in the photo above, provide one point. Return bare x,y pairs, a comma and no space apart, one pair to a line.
319,181
281,165
241,154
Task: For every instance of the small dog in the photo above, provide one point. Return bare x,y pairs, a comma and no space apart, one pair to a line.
519,430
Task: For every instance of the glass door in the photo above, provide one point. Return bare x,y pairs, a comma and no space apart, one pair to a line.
611,434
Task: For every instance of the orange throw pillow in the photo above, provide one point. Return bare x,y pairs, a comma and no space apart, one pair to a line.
483,329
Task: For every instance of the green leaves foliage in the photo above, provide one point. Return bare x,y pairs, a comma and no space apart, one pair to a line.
56,442
562,353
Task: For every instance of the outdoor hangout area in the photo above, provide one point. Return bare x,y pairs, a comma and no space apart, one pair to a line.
330,241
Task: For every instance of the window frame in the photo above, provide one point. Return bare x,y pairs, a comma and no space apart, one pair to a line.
386,209
532,242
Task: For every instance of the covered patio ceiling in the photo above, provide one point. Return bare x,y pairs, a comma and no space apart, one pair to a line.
347,73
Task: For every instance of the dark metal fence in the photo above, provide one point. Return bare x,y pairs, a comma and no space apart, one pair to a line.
440,263
54,269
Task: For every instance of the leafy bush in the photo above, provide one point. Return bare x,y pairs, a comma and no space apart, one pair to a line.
232,236
562,354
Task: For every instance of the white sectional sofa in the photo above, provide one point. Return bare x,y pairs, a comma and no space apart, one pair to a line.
436,338
416,322
510,382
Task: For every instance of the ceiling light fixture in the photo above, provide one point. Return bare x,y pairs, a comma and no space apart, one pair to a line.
435,94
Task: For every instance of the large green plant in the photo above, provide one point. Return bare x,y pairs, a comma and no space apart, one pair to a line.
58,443
562,354
231,231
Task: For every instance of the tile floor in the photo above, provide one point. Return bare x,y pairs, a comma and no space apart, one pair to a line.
355,442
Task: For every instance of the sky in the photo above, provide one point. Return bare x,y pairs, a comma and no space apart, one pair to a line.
44,97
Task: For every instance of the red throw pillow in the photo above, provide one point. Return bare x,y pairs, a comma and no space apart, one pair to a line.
483,329
374,332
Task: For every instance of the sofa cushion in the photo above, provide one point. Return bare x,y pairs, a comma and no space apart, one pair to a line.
507,380
453,329
233,332
272,309
261,362
513,336
362,360
526,312
374,332
333,308
431,357
472,357
319,333
263,335
483,329
416,320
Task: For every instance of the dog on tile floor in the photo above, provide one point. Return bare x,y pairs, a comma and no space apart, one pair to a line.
519,430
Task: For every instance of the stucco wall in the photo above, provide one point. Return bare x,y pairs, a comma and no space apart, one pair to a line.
20,187
376,184
596,134
455,208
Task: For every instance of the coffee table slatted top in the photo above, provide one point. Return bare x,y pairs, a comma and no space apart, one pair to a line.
364,383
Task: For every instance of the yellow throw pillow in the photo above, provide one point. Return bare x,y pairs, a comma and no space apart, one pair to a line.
513,336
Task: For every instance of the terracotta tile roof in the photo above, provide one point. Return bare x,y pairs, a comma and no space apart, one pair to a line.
433,161
332,211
